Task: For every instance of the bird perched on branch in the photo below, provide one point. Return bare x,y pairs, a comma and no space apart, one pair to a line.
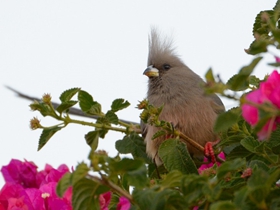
180,90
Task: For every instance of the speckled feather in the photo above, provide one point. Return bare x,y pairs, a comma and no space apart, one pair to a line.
180,90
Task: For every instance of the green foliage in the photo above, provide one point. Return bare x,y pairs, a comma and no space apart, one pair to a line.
46,135
175,156
248,179
240,81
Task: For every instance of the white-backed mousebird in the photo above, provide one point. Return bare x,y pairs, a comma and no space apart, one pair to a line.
180,90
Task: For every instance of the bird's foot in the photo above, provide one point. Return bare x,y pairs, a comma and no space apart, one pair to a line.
209,151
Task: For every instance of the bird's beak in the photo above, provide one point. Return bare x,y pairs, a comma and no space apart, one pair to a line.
151,71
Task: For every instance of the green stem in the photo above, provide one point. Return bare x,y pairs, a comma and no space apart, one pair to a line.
96,125
113,186
64,125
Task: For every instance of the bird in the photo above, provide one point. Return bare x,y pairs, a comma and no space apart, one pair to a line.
180,90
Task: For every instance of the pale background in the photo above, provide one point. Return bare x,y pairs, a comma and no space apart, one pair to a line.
101,46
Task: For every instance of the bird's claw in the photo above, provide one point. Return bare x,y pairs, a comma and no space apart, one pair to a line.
209,151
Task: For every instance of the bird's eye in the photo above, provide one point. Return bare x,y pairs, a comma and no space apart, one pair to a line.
166,66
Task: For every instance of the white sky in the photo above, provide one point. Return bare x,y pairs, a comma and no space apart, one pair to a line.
101,46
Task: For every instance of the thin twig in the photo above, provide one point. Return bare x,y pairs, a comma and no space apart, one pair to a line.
113,186
73,111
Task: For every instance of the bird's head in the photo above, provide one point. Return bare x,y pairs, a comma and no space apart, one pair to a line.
162,57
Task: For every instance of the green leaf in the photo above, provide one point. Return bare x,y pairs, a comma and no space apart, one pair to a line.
209,76
63,184
193,187
134,144
80,172
260,184
119,104
271,156
230,166
240,81
92,138
276,8
102,131
274,139
144,198
112,117
43,108
168,199
46,135
274,64
240,196
125,165
175,156
253,80
258,164
154,170
250,143
173,179
238,152
222,205
273,178
158,134
87,104
227,119
258,46
85,194
68,94
65,106
137,178
257,187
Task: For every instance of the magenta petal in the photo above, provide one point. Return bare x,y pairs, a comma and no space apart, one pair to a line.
68,194
63,169
209,165
49,188
275,97
274,78
123,204
35,196
13,196
23,173
52,201
255,96
104,200
250,114
56,203
50,174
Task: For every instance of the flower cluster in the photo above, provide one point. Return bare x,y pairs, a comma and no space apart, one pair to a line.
267,94
29,189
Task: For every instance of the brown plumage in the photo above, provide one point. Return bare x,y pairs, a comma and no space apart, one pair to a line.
179,89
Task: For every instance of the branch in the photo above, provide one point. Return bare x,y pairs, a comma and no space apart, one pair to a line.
73,111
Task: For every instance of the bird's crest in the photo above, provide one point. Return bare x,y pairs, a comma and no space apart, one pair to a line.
160,48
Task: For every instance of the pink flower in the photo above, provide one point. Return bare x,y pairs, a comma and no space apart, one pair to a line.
123,204
28,189
50,174
104,200
209,165
23,173
51,199
13,196
269,92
